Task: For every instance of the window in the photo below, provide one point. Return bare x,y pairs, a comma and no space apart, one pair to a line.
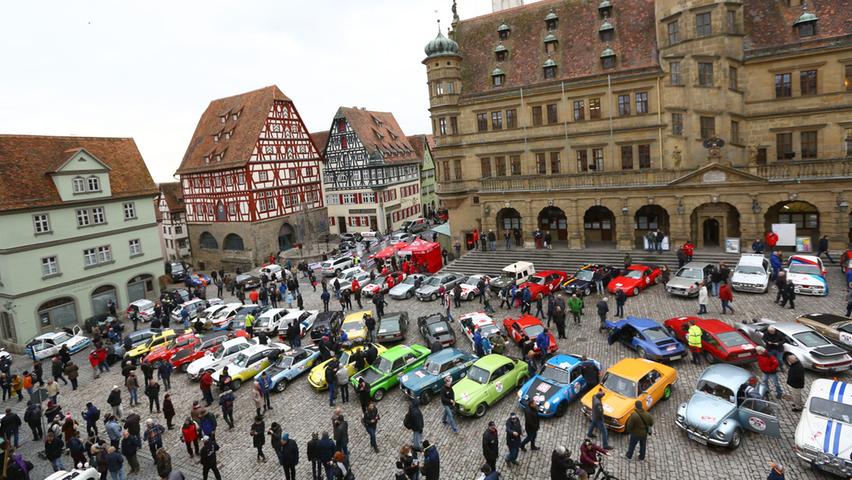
485,167
442,126
808,80
496,120
497,80
501,55
703,27
627,157
673,29
705,74
623,105
735,131
551,24
731,21
457,166
82,217
500,166
98,216
809,144
445,166
135,247
582,161
262,176
579,110
439,88
848,142
554,163
41,222
241,179
608,62
179,229
454,125
94,184
482,122
90,257
129,210
541,163
79,184
550,71
644,152
708,127
503,33
49,266
515,161
511,118
784,146
677,124
552,116
641,102
806,29
597,160
595,108
674,73
733,80
550,46
783,85
536,116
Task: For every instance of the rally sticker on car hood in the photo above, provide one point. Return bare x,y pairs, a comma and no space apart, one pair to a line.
419,374
543,387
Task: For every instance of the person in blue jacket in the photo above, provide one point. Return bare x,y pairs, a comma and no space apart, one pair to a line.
776,263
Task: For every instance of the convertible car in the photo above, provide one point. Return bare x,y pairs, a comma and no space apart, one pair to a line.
720,342
488,380
636,279
436,329
391,365
812,349
427,382
555,386
647,337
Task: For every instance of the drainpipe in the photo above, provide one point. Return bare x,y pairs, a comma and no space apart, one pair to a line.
609,107
523,109
660,123
568,112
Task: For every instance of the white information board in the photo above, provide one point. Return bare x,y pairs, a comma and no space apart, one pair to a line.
786,234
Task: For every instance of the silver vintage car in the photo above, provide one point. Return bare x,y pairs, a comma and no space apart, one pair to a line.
812,349
429,289
685,281
727,401
405,289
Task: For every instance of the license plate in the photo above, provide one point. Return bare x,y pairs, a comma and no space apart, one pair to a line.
697,439
675,357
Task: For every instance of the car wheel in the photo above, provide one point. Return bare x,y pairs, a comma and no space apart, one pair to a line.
710,358
657,281
425,398
587,291
184,367
561,409
408,294
480,410
667,393
641,353
433,297
521,380
736,440
235,385
379,395
281,386
635,291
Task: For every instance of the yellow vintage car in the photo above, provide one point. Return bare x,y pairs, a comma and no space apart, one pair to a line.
625,382
354,326
158,339
317,376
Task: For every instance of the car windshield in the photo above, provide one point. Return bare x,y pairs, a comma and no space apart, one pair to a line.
810,339
241,360
432,367
243,278
536,280
694,273
716,390
634,274
262,322
655,334
533,330
478,375
805,269
751,270
507,277
556,374
732,339
409,280
585,275
470,281
434,281
385,365
437,328
833,410
619,385
285,362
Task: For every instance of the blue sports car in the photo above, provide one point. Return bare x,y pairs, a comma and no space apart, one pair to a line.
427,381
292,364
647,337
554,386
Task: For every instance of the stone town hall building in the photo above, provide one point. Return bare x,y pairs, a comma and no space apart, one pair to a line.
599,120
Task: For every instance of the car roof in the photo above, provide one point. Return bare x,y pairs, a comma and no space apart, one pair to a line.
272,311
805,258
751,259
514,267
700,265
191,301
563,360
641,323
830,389
142,301
730,376
234,341
478,318
634,368
492,361
641,266
359,315
526,320
791,328
397,351
826,318
713,325
442,356
256,349
49,335
543,273
216,334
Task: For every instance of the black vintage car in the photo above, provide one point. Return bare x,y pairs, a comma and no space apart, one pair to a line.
582,282
436,330
327,323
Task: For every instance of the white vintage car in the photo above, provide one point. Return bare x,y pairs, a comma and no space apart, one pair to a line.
823,436
223,356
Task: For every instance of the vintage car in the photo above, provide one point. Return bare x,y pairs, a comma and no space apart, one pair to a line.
276,320
636,279
405,290
210,342
812,349
469,289
583,281
238,319
326,323
247,281
527,325
144,308
389,367
213,360
807,274
267,322
471,322
83,473
47,345
512,274
221,318
194,307
116,351
362,277
720,342
836,328
204,318
249,362
822,437
165,351
401,237
436,329
685,281
316,377
727,401
427,382
382,284
158,338
751,274
488,380
647,337
625,382
429,289
392,327
289,366
555,386
544,282
353,325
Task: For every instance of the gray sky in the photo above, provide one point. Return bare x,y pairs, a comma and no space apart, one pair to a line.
148,69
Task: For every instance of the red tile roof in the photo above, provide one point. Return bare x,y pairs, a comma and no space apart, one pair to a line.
173,194
320,140
379,132
252,109
770,25
420,143
27,160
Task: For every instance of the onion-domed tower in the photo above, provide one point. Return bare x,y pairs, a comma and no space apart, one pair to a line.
443,71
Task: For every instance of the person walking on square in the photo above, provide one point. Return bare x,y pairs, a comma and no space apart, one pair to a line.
513,438
413,421
258,436
796,381
448,403
531,425
620,300
559,320
822,247
208,458
491,445
702,298
342,378
789,295
597,420
152,391
768,364
153,435
726,295
639,426
575,304
371,423
693,340
341,434
189,435
603,309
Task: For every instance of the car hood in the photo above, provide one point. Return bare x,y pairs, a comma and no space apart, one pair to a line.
681,282
203,363
811,433
576,283
400,289
806,279
370,376
617,406
466,389
426,290
624,282
442,336
704,411
418,379
740,277
542,390
501,282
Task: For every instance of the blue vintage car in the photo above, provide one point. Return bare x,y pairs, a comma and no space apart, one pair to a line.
647,337
727,401
427,381
554,386
292,364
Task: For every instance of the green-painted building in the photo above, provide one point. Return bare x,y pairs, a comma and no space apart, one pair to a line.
428,198
78,230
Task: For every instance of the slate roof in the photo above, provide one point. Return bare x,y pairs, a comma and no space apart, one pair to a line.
252,109
769,25
26,162
380,134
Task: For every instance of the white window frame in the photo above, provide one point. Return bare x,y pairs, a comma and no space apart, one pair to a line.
90,257
49,266
104,254
98,215
93,184
135,246
129,210
83,219
263,176
79,185
41,223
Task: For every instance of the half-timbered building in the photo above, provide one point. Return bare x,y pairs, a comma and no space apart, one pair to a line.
371,172
171,220
251,181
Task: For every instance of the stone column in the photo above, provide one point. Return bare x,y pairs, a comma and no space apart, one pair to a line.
624,226
575,225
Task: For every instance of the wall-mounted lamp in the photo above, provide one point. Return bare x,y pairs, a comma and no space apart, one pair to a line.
650,200
715,198
487,210
842,204
793,195
680,207
755,205
624,210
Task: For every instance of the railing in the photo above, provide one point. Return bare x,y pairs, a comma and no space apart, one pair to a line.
579,181
455,187
805,169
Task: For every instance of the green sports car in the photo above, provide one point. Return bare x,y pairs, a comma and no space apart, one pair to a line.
393,363
489,379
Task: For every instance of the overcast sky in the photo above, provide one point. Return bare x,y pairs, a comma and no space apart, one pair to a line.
148,69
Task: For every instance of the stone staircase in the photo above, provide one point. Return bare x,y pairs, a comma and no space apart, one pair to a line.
491,263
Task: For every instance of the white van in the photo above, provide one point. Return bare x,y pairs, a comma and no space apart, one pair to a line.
751,274
514,274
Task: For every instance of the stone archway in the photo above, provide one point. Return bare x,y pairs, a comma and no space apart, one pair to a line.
207,241
552,219
599,226
234,242
712,223
57,313
101,297
648,219
803,214
139,287
509,219
287,237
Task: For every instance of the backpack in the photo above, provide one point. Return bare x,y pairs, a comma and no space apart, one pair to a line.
96,415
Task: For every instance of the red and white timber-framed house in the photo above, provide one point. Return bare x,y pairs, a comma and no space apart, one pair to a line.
251,181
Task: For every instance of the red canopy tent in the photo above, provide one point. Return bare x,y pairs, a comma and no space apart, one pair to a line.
427,254
389,251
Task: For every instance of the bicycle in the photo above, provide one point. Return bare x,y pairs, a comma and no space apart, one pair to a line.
601,473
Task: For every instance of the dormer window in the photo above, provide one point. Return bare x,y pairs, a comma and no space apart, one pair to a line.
503,32
606,31
501,53
79,184
608,58
235,116
605,9
498,77
222,118
551,21
206,158
806,23
93,183
550,43
549,69
216,138
228,134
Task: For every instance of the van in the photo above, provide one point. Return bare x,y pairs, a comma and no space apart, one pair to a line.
514,274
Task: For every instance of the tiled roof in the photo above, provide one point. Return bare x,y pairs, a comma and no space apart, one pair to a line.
27,160
578,51
173,194
421,142
769,24
251,108
320,139
379,132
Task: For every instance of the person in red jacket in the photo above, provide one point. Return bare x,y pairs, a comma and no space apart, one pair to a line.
253,296
189,435
206,384
771,239
689,250
589,456
768,364
726,295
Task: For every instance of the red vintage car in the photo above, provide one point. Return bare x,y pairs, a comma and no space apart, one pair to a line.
166,351
207,343
529,325
544,283
720,341
635,279
381,283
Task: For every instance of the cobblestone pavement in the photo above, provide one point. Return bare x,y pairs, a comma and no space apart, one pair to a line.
302,411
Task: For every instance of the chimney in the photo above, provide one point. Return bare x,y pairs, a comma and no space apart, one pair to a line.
497,5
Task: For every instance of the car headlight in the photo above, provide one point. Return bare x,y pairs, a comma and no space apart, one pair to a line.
680,418
719,434
520,396
547,405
